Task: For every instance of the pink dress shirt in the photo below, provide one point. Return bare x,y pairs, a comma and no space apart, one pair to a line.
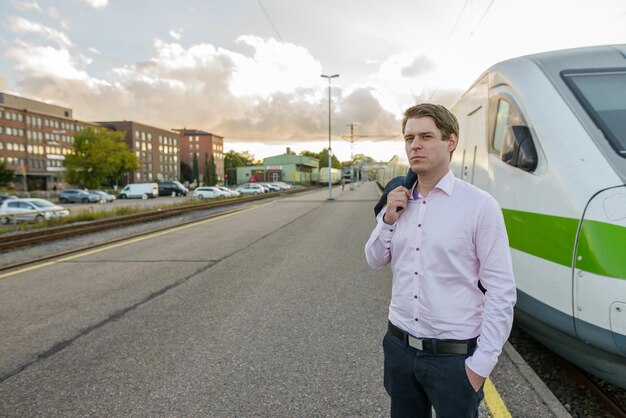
438,249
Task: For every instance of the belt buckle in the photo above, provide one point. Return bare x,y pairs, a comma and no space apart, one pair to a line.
416,342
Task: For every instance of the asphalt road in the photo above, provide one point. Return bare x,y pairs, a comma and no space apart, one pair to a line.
268,312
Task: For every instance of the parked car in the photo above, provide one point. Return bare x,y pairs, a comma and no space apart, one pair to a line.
251,188
77,196
104,197
167,188
4,197
30,210
231,193
139,191
270,187
281,185
207,192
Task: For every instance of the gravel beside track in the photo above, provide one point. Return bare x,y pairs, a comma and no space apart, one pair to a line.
575,397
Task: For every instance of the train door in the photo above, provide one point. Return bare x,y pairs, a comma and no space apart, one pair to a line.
475,168
599,271
517,179
469,160
504,114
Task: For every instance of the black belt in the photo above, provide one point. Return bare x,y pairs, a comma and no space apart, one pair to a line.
433,345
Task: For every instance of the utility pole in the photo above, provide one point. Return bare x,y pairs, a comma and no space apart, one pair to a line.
352,139
330,187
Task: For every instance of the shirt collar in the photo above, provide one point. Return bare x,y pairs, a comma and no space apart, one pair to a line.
446,184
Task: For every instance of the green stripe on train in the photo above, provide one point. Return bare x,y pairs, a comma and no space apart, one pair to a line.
602,248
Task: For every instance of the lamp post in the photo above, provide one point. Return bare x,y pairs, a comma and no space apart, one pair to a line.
330,188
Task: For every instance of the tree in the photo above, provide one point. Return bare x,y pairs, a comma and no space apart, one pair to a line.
312,154
212,172
196,170
6,175
232,160
99,155
205,175
186,172
324,160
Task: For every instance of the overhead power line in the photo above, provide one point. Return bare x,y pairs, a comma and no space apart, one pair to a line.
467,39
280,38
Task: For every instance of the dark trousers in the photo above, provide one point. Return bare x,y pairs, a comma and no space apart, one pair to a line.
416,380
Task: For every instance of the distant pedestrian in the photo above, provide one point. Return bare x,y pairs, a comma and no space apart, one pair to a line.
343,183
441,236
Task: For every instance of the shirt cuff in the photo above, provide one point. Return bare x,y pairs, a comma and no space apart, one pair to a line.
385,230
480,363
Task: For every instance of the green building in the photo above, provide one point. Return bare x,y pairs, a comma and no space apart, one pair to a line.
287,167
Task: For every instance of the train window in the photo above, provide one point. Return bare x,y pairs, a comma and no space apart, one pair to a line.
512,139
502,115
602,93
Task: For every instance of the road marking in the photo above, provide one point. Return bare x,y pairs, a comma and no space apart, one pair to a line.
494,402
130,241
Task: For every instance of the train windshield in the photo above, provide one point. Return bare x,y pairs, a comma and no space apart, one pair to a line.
602,93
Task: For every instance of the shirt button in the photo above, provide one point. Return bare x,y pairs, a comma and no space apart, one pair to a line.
417,249
419,225
424,203
416,273
416,319
415,297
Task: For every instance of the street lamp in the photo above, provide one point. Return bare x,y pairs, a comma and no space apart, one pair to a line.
330,189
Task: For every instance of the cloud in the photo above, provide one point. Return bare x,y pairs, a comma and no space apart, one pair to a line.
97,4
272,93
27,5
20,25
176,34
53,13
48,62
275,66
420,66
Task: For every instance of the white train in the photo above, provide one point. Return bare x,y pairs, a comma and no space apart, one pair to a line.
321,176
394,168
545,134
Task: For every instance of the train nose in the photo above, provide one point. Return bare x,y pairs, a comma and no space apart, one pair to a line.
599,272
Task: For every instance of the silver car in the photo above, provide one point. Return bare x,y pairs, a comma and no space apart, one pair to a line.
77,196
104,197
36,210
251,188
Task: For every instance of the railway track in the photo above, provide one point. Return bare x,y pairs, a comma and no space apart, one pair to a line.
613,406
72,230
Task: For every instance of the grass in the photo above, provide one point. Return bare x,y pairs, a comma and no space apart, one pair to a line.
86,215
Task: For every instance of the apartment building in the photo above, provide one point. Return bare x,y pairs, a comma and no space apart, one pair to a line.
157,149
194,141
35,137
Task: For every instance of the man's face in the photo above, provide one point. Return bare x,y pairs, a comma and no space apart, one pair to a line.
425,149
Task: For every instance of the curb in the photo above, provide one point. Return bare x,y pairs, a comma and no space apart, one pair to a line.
536,383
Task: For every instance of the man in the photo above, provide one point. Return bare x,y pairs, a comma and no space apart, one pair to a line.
441,237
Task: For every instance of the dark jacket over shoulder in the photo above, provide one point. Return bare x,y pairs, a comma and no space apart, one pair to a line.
406,181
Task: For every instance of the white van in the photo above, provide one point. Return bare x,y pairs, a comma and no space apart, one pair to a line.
140,191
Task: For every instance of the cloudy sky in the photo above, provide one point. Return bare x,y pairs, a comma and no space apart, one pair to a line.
249,70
